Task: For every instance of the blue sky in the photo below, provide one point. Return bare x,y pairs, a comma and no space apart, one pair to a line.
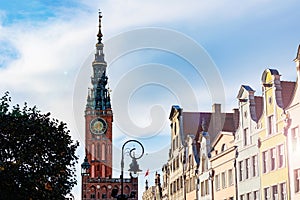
46,50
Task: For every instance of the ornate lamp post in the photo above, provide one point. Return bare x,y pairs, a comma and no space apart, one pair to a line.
134,167
84,173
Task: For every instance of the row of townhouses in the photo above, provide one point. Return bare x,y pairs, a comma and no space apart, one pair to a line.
252,152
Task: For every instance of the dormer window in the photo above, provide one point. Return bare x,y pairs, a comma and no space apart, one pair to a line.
223,148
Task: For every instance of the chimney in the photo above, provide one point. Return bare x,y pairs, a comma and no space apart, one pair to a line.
216,108
236,118
217,120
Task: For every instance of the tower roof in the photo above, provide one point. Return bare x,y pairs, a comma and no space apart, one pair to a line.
99,35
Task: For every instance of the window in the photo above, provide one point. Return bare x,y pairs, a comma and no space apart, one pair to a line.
181,182
103,151
206,187
203,164
267,193
202,189
247,174
297,180
248,196
295,139
223,148
246,137
283,195
281,162
274,192
217,182
255,195
254,166
241,170
265,161
270,124
223,180
230,177
242,197
273,158
173,144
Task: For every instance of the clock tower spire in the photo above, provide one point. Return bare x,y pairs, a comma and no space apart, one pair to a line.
99,117
97,181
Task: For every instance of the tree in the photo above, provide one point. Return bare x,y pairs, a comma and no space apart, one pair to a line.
37,155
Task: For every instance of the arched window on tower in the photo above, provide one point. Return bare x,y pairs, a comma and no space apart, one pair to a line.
93,151
103,170
103,151
127,190
98,151
104,192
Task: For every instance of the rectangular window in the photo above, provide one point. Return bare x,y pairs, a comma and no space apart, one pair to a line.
242,197
270,124
274,192
247,163
267,193
281,161
217,182
206,187
248,196
283,195
254,166
223,180
265,161
295,139
297,180
241,170
202,189
246,137
255,195
230,177
273,158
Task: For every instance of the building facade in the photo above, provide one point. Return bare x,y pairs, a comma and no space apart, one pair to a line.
248,154
188,131
97,181
246,141
291,128
274,173
153,192
222,160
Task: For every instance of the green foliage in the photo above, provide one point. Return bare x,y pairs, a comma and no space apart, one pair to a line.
37,155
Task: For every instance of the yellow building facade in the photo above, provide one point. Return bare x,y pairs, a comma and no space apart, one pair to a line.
272,142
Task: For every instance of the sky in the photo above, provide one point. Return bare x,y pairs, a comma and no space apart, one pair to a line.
192,53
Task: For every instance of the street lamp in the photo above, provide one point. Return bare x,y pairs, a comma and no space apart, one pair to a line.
84,167
134,167
84,174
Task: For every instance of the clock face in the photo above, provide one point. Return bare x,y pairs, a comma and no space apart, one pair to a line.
98,126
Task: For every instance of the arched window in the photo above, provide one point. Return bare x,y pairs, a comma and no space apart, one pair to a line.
126,190
104,192
93,192
223,148
98,151
103,170
103,151
93,151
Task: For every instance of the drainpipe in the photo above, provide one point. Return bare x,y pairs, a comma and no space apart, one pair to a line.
235,173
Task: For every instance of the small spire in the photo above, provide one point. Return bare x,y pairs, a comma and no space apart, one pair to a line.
99,32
